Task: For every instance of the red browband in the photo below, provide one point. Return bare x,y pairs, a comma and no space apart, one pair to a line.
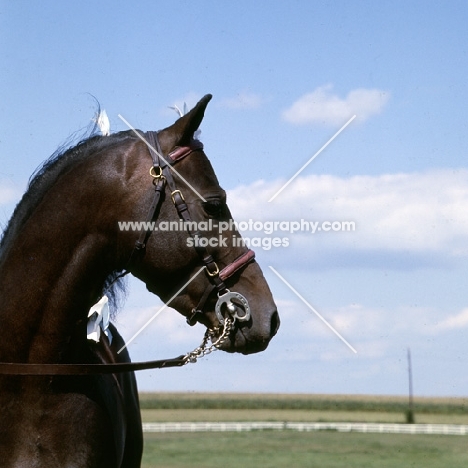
182,152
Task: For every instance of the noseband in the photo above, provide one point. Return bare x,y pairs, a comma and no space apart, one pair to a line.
228,302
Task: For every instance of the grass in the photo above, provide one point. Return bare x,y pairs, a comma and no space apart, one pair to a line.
290,449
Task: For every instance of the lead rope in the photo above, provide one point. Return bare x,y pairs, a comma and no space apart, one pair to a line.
15,368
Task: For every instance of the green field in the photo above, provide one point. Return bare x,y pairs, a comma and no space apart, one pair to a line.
293,449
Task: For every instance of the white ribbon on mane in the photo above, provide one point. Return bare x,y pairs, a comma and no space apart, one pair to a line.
98,320
102,121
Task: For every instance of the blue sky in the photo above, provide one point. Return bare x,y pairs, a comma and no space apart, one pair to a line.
285,77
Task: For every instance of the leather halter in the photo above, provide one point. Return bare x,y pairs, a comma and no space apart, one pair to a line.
162,174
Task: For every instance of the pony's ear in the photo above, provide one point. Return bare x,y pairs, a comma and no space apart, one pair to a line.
181,132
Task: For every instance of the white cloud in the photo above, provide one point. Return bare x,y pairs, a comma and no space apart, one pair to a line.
422,214
455,321
243,100
322,107
373,332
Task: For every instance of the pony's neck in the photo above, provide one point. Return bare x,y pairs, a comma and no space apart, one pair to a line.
52,272
44,297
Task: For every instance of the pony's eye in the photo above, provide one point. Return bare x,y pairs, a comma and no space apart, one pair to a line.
214,208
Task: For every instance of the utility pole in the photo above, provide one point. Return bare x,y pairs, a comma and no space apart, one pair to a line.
410,412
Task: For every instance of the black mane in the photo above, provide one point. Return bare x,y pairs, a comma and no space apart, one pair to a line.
45,176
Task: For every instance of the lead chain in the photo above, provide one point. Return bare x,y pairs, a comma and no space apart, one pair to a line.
204,349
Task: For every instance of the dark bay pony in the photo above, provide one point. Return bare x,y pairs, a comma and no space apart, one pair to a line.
61,250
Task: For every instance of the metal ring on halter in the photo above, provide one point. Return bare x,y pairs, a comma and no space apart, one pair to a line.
233,309
179,192
153,172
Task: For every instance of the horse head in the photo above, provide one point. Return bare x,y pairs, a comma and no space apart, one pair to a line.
204,237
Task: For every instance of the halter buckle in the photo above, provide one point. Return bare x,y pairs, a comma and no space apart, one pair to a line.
213,273
180,194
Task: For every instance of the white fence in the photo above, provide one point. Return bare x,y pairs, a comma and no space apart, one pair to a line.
212,426
448,429
444,429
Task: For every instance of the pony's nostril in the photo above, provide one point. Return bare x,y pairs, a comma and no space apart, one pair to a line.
275,323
